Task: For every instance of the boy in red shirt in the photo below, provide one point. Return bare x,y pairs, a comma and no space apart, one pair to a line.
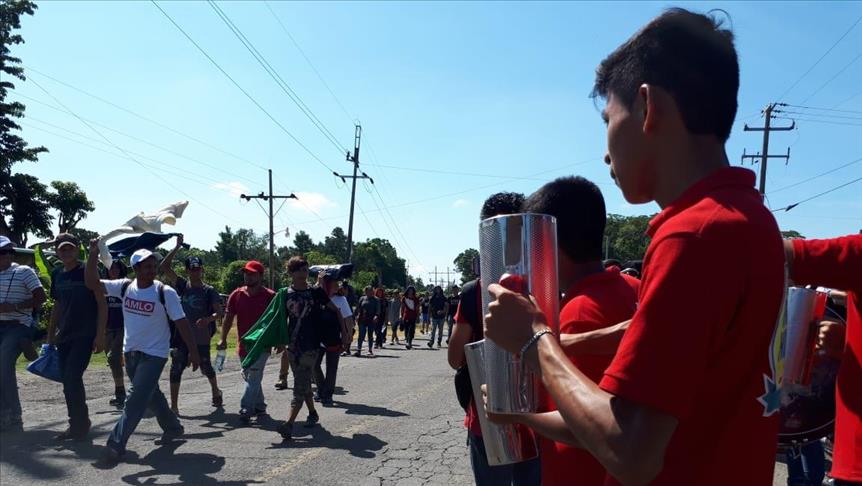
595,298
837,263
690,397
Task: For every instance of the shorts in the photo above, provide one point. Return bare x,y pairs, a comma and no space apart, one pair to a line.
114,347
302,365
180,361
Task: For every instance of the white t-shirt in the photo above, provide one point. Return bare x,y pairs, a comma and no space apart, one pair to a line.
17,284
144,317
343,306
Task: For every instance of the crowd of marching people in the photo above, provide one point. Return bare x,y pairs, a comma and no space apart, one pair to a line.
663,375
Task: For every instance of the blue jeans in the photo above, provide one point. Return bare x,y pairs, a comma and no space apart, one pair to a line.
144,371
436,327
450,323
366,328
809,468
252,397
10,403
74,358
527,473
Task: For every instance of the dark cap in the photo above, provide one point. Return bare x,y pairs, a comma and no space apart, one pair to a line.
194,262
64,239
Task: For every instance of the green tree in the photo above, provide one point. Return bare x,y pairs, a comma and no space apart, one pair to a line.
83,234
315,257
791,234
71,204
243,244
22,197
379,256
464,264
625,237
231,276
336,244
302,243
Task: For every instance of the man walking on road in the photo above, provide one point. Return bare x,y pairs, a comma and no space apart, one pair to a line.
21,293
247,304
451,310
77,327
147,306
368,311
202,306
334,336
437,304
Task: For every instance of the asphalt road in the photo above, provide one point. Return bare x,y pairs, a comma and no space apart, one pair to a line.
395,422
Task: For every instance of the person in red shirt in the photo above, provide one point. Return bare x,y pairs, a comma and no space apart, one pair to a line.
595,299
247,304
468,329
837,263
690,397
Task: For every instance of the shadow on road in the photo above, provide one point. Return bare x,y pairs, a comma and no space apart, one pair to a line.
22,451
360,409
360,445
190,468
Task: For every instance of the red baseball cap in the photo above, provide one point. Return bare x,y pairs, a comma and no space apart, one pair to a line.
253,266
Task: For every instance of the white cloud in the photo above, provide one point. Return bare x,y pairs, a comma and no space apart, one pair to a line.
233,188
460,203
310,202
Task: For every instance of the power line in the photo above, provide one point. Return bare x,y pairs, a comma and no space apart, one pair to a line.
146,119
249,96
791,206
800,78
839,73
133,137
451,172
829,122
106,139
296,44
822,109
817,176
285,87
820,115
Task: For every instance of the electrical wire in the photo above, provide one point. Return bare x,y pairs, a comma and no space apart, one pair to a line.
829,122
791,206
800,78
821,109
285,87
839,73
246,93
817,176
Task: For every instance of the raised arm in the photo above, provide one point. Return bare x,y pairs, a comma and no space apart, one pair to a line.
167,265
91,270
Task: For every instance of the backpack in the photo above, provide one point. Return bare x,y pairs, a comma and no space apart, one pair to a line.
176,339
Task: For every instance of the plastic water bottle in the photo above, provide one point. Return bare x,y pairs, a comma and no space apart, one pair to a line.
221,354
44,349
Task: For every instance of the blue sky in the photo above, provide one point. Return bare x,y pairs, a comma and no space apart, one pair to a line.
495,90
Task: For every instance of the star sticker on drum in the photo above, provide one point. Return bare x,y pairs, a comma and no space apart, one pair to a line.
771,400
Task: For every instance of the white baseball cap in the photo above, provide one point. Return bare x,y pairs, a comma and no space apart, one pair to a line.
140,255
4,242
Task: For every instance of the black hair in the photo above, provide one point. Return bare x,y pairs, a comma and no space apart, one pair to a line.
687,54
502,203
579,208
124,271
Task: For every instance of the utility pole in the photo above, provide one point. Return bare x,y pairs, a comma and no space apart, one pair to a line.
764,156
355,159
271,197
436,274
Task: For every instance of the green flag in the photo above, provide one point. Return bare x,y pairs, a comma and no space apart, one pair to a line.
269,331
42,267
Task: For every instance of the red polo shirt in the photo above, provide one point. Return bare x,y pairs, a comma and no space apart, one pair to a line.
698,347
598,301
247,309
837,263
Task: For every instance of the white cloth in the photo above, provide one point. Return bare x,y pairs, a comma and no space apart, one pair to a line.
17,284
145,318
410,303
143,223
343,306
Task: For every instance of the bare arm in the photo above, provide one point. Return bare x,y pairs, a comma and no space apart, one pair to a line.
52,324
38,298
226,324
599,342
102,319
185,329
91,270
461,334
167,265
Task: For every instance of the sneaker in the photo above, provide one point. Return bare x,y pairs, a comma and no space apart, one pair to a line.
438,344
118,401
326,402
75,435
409,346
317,397
286,430
345,354
357,354
259,411
312,419
172,435
109,458
281,384
244,416
218,400
430,344
447,342
370,354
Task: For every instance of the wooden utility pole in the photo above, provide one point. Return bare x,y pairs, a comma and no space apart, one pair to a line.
355,159
764,156
270,214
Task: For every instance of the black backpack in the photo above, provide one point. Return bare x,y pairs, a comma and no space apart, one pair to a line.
176,339
469,309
